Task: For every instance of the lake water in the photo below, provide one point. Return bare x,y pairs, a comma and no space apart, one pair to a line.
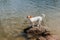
9,8
16,8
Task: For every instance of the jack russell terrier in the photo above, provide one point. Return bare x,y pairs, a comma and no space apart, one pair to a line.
38,19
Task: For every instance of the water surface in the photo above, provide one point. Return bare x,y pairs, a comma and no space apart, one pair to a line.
17,8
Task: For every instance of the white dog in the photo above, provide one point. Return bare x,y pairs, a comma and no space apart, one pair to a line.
35,19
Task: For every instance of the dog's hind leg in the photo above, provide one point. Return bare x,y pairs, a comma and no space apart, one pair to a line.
39,24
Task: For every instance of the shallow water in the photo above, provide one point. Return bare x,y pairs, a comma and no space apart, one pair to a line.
9,8
17,8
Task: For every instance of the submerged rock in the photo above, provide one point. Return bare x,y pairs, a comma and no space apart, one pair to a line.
39,33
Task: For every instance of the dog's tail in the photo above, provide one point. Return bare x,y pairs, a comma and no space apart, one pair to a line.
43,15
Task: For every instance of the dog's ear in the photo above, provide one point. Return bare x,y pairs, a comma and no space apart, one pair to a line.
29,16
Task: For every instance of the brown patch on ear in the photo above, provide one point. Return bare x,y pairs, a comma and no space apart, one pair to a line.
30,16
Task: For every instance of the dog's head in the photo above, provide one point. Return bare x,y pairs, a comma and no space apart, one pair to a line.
29,16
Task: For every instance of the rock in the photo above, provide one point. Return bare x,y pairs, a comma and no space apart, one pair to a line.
36,31
41,38
52,37
39,33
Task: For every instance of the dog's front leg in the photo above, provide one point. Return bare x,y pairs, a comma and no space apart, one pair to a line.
32,24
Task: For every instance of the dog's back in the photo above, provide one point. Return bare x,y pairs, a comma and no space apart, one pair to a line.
36,18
